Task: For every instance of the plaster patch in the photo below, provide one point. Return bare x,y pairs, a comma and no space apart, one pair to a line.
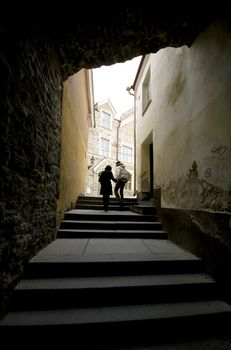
191,192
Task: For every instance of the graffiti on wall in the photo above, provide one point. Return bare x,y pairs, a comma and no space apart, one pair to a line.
208,172
193,172
220,150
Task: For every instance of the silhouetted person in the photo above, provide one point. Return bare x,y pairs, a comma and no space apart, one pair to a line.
106,187
122,176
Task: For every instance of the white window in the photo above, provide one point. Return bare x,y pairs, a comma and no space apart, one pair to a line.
126,155
106,120
104,147
146,91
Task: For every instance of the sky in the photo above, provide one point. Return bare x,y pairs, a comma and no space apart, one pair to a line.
111,82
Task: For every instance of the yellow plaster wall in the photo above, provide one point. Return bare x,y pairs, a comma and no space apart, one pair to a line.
74,137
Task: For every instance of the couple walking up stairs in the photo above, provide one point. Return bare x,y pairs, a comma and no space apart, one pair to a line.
115,280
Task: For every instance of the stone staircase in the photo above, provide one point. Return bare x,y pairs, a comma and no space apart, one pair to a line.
96,203
77,224
114,280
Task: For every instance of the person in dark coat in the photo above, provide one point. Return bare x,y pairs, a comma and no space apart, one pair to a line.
106,187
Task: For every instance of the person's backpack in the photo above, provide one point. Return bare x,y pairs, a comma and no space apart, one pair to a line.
124,175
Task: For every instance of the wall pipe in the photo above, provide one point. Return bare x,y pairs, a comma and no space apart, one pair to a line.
129,88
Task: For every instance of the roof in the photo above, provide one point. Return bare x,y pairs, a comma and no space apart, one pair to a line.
106,102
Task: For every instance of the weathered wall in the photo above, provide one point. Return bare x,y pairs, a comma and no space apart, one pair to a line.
190,118
30,105
74,138
207,235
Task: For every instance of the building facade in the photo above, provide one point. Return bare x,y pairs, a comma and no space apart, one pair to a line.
110,139
183,123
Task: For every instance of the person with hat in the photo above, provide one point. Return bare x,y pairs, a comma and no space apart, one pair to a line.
122,176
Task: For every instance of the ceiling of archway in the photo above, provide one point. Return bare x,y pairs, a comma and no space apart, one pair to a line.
89,37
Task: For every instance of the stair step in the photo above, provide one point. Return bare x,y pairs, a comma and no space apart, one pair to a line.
90,233
106,256
125,225
76,214
111,290
91,266
126,317
115,281
100,201
111,207
112,199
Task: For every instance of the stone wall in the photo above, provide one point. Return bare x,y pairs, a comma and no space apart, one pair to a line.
30,105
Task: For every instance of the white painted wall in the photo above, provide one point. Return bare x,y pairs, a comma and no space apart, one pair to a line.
189,118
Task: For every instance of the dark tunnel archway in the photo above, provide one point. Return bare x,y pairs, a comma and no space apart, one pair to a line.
40,48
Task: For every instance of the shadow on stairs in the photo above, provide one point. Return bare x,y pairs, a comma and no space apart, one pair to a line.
114,280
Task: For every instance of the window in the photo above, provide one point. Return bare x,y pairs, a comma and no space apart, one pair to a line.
126,155
105,120
146,91
104,147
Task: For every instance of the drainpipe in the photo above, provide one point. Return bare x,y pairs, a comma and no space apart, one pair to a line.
129,88
117,140
91,102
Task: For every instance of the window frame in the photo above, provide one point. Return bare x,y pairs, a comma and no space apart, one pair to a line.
106,126
101,150
124,156
146,91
